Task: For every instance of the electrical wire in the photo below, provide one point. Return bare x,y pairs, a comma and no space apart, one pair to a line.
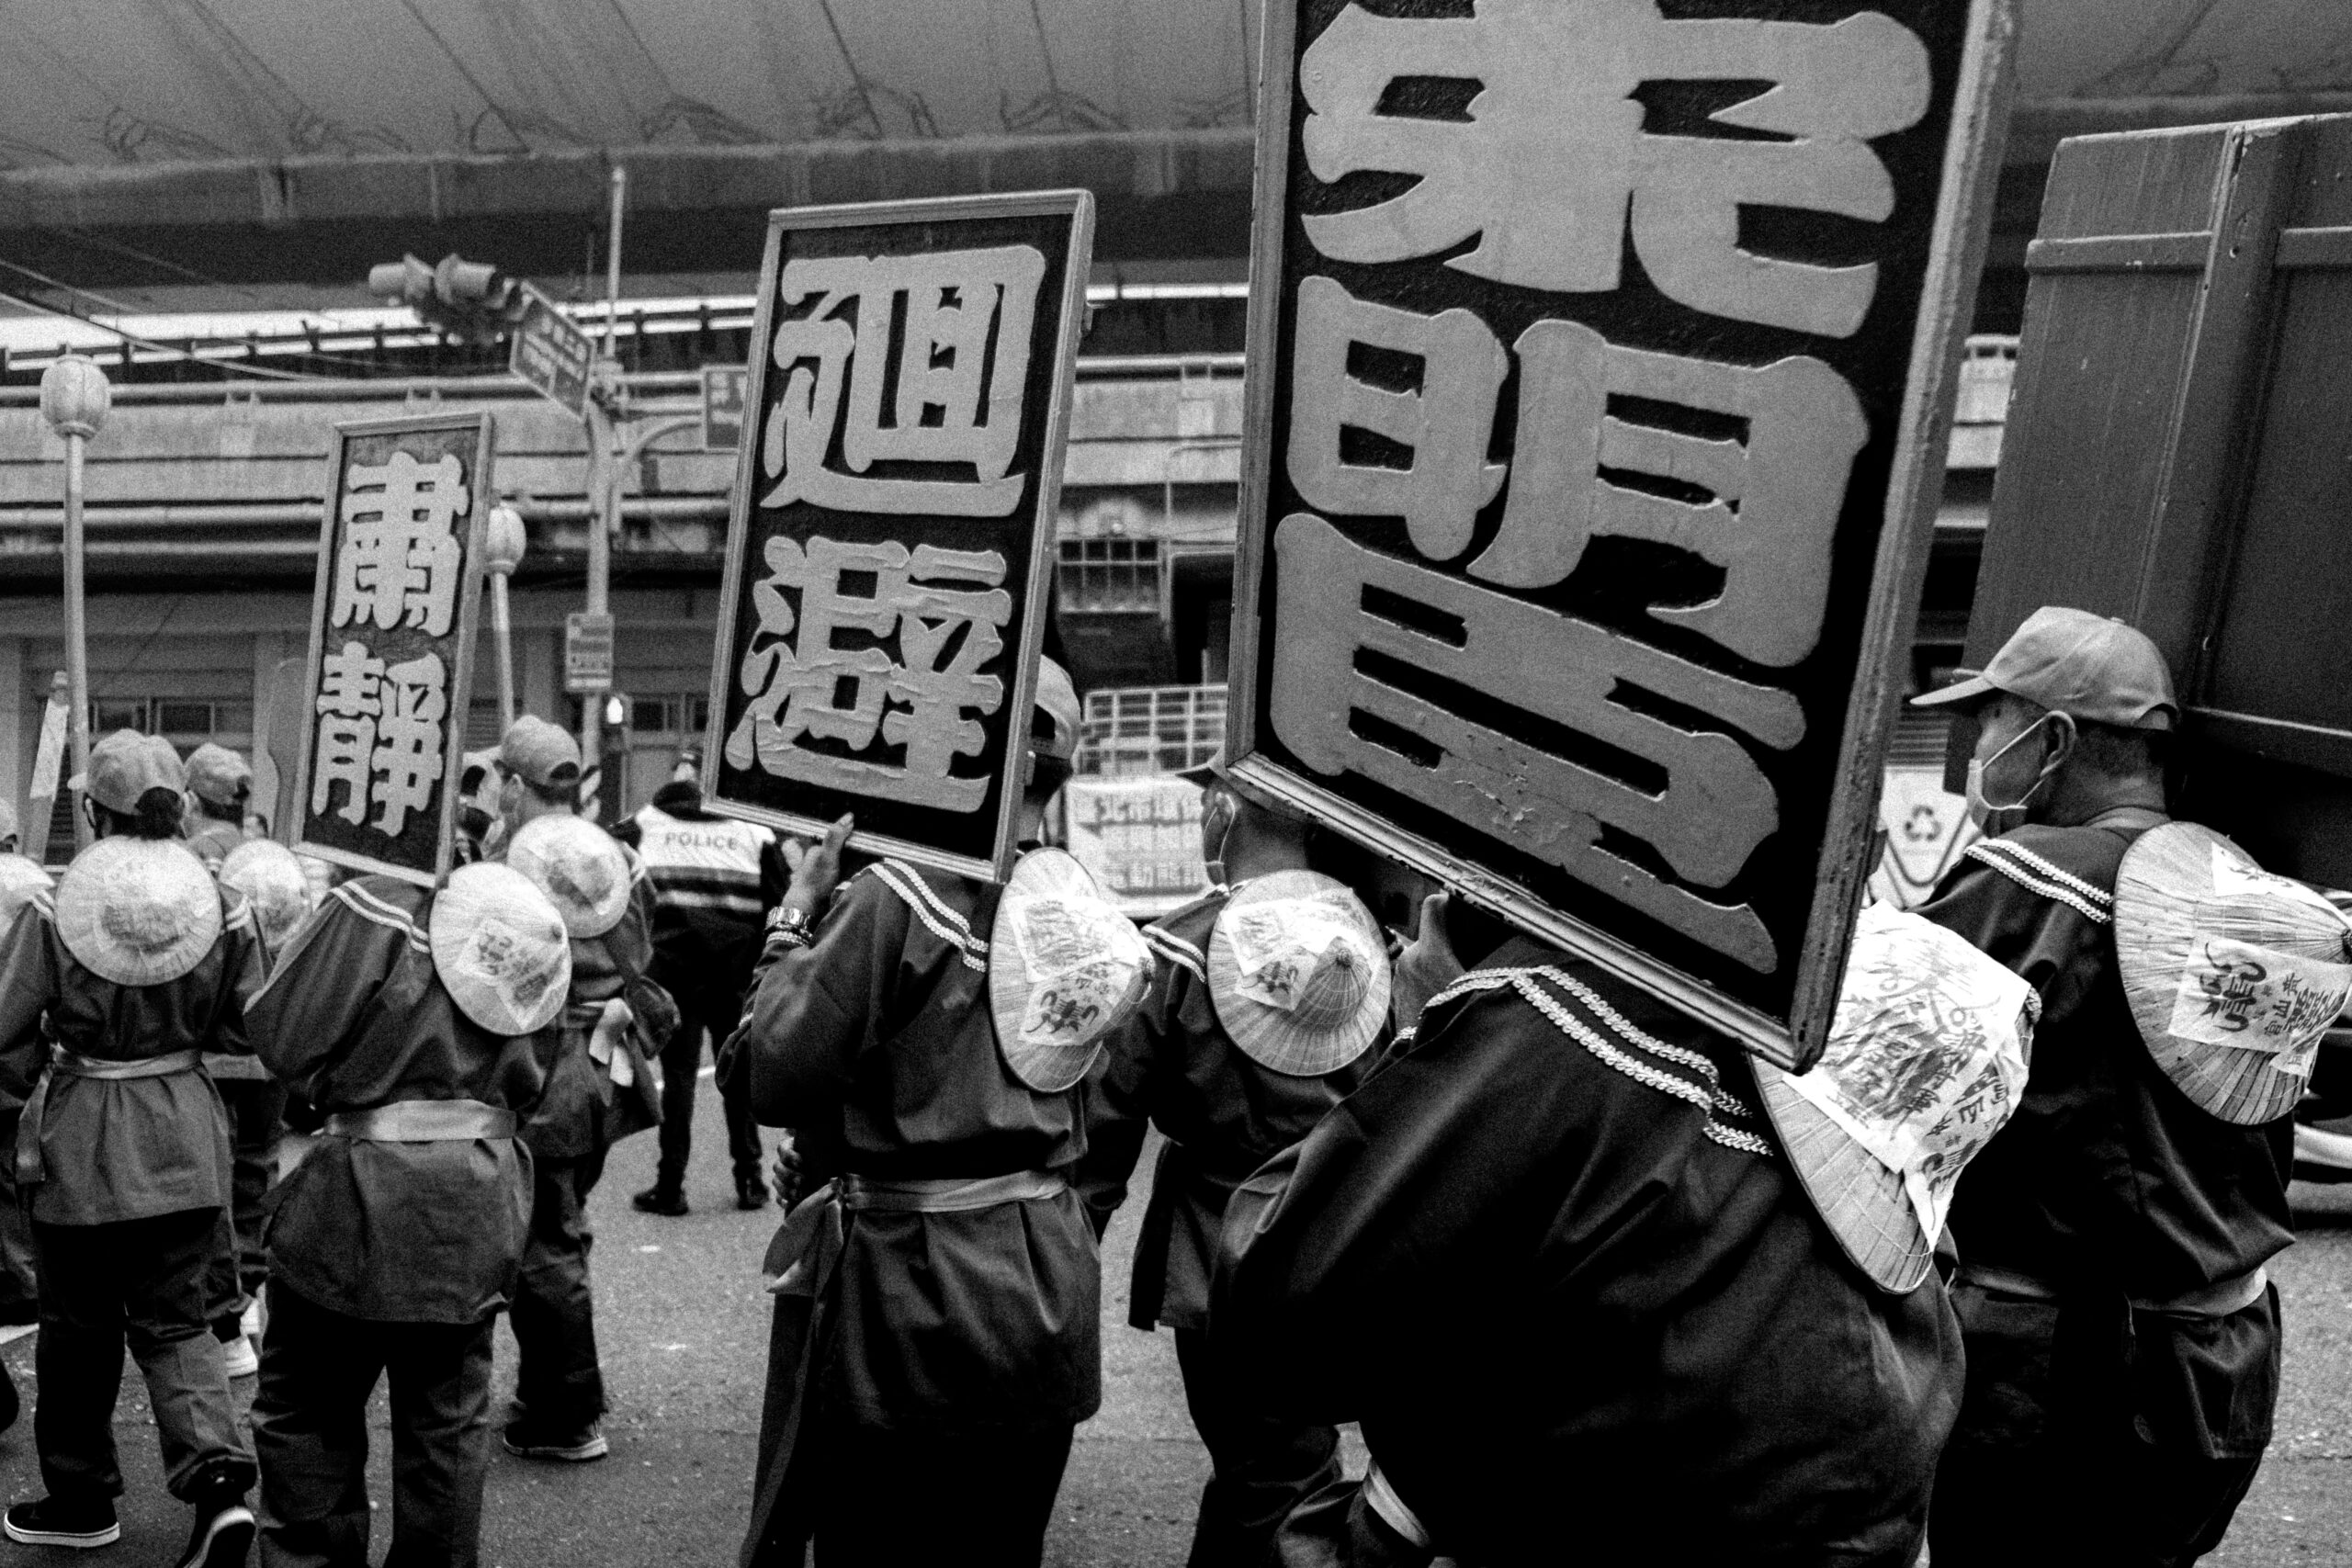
46,281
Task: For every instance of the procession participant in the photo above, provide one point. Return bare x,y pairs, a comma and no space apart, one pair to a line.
599,1083
1550,1257
476,802
1267,994
405,1015
220,787
114,991
20,878
2124,1342
937,1327
715,879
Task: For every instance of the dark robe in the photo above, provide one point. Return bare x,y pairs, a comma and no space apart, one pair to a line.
1578,1300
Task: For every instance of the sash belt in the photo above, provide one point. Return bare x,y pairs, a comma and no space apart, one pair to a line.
2217,1300
423,1121
1382,1499
237,1068
30,1165
947,1196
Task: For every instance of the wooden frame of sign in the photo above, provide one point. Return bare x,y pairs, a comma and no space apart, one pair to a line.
1579,577
935,511
413,611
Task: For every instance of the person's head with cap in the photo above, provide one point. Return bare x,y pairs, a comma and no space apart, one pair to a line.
135,788
539,771
1246,833
220,782
2073,714
688,767
1053,735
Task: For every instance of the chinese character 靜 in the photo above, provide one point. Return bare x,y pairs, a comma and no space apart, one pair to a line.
380,733
399,563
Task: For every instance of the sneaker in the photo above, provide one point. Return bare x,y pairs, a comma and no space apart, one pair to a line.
50,1522
577,1446
658,1199
750,1192
221,1538
244,1360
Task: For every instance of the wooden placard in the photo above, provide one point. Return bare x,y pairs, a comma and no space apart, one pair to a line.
893,521
391,664
1604,362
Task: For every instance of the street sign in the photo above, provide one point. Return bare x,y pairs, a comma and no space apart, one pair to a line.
390,678
723,407
1140,839
553,353
888,556
1609,358
587,652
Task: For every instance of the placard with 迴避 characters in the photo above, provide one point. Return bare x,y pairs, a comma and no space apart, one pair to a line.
391,644
893,521
1601,356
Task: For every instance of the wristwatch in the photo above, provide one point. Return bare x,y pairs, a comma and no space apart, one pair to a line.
790,927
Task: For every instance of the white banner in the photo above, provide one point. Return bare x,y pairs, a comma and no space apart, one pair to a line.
1140,839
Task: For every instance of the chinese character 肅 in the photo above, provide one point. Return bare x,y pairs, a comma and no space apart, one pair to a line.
943,609
1549,165
400,557
945,334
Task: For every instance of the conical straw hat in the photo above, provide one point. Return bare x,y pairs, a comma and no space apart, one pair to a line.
579,866
500,949
272,880
19,879
1298,972
1065,969
1926,1061
2233,974
137,911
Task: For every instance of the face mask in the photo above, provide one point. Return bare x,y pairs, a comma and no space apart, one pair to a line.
1983,812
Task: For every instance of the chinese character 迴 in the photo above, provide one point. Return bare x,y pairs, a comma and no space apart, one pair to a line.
1696,799
379,734
958,356
399,563
1550,164
811,686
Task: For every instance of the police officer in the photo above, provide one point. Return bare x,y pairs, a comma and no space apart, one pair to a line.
1229,1102
2123,1341
714,880
397,1239
114,991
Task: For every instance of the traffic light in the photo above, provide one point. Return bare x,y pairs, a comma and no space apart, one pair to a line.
472,300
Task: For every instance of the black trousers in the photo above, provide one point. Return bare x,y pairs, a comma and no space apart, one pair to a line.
17,1290
146,1283
256,1110
889,1499
318,1369
557,1380
681,1066
1264,1467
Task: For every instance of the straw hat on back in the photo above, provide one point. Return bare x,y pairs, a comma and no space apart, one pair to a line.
500,949
1065,969
577,867
137,911
1926,1061
1298,972
2233,974
272,879
19,880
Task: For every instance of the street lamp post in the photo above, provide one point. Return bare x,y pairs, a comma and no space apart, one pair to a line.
502,545
74,398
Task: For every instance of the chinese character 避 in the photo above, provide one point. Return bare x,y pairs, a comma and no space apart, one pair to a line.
1550,166
400,560
826,673
380,733
959,363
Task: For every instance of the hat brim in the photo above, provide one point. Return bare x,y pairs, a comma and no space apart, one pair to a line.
540,843
1976,688
1047,1067
1861,1202
477,897
174,893
1273,1039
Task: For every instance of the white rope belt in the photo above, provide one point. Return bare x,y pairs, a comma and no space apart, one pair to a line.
947,1196
423,1121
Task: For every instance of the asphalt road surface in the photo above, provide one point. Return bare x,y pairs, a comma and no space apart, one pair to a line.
683,1325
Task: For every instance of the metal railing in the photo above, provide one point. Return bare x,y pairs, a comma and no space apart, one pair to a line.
1151,730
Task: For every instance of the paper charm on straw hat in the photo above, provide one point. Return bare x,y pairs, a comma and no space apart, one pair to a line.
2233,974
500,949
137,911
271,878
577,865
19,879
1298,972
1926,1061
1065,969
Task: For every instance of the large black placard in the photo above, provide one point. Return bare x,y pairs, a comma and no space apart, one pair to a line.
1602,358
894,514
391,669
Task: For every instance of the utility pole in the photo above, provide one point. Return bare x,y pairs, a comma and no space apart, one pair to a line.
74,398
604,475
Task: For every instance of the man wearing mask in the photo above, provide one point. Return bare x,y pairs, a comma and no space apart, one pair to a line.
1228,1101
714,880
2123,1343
